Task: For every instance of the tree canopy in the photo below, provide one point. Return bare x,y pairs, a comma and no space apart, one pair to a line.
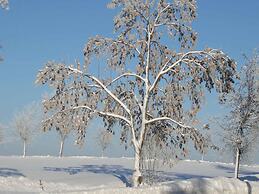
158,82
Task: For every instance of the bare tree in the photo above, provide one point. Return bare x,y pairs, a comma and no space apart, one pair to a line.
241,124
104,138
155,88
26,123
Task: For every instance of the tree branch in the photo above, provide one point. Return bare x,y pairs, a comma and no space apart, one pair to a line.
115,98
168,119
128,44
93,111
125,75
164,71
104,88
167,24
139,12
159,14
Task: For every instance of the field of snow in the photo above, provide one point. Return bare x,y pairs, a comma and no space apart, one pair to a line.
37,174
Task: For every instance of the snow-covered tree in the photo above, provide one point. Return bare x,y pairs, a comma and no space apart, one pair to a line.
64,123
63,133
26,123
241,124
62,126
103,139
158,80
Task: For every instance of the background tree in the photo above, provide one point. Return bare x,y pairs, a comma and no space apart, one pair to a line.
241,124
156,86
62,126
62,122
104,139
63,133
26,123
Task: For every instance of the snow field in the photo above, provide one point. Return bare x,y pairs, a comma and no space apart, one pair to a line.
35,174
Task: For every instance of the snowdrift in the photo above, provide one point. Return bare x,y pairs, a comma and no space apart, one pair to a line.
217,185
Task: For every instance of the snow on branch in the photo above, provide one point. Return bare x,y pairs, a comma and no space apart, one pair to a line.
126,75
98,82
167,119
92,111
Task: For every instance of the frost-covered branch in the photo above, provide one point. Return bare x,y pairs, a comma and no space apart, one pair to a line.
167,119
90,109
160,13
103,87
125,75
165,68
128,44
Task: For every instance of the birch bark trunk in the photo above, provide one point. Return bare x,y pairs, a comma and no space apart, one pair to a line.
61,148
137,176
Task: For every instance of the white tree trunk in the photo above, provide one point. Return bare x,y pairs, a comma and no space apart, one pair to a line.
137,176
237,162
24,148
61,148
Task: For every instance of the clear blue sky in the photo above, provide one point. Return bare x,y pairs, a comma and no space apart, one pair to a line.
33,32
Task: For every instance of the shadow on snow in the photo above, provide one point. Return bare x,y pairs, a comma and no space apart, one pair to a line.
123,174
7,172
118,171
244,174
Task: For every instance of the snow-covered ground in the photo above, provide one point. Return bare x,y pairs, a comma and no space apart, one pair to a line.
112,175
